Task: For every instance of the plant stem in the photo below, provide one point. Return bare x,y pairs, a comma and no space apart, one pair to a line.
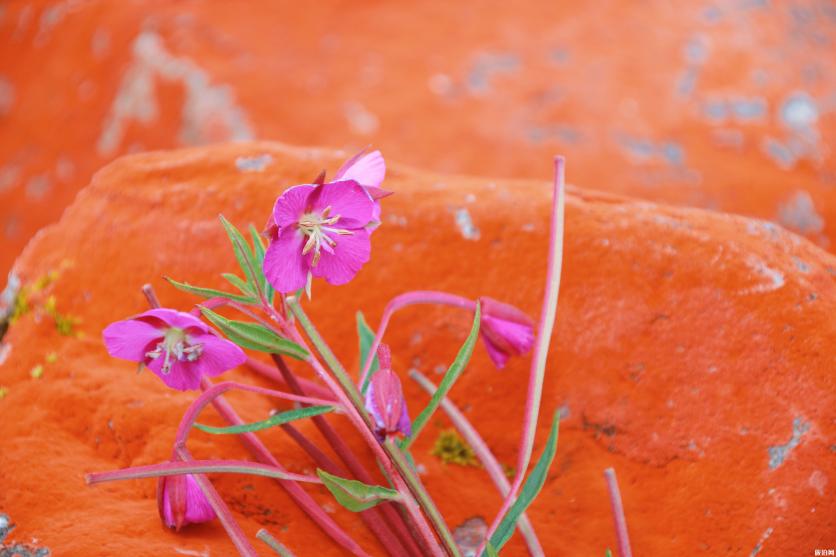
541,348
415,297
197,467
305,501
393,519
273,543
311,388
350,397
485,456
618,514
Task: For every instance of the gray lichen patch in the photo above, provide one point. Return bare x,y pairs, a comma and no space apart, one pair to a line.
465,224
16,549
779,453
256,163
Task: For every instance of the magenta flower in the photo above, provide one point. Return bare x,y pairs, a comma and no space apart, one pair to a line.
506,330
385,401
368,170
180,501
178,347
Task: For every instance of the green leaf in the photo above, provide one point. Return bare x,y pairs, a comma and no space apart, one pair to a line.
277,419
259,250
238,283
356,496
243,253
453,373
210,292
254,336
366,336
609,553
491,551
533,485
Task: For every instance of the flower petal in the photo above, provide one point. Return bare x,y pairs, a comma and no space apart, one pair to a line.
350,254
367,169
285,267
183,376
198,508
516,338
173,318
346,199
217,355
496,354
131,339
291,205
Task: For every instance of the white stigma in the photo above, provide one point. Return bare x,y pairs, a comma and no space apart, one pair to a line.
175,347
315,226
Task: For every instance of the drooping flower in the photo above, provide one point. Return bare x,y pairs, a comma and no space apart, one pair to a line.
178,347
506,330
321,231
180,501
385,401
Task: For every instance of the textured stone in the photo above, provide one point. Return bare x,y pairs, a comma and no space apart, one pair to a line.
693,352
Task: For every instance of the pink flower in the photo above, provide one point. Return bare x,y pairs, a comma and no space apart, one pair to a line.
178,347
368,170
385,401
180,501
506,330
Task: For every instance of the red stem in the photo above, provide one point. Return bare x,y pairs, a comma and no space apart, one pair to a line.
393,519
618,513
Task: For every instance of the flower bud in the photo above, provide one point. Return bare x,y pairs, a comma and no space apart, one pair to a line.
385,401
181,501
506,330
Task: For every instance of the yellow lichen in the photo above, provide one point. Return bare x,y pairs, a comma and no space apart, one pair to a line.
37,371
452,449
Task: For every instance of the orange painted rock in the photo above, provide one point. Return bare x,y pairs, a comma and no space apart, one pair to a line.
728,106
693,353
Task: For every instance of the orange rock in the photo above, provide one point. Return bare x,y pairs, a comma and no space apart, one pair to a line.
692,353
728,107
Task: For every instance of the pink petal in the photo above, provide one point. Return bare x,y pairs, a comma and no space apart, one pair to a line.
516,338
218,355
198,508
173,318
291,205
497,355
131,339
285,267
348,200
183,376
366,169
350,254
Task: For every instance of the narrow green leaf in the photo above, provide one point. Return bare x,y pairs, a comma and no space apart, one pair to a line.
366,336
238,283
242,252
210,292
453,373
533,485
276,419
353,495
254,336
609,553
491,551
259,250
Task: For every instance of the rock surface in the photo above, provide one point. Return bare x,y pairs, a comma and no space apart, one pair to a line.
693,352
724,105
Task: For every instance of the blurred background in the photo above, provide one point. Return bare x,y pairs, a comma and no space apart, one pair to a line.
727,105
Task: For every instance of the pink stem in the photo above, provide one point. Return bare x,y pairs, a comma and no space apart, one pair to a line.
401,301
541,349
618,513
360,424
215,391
305,501
485,456
233,530
391,517
197,467
269,372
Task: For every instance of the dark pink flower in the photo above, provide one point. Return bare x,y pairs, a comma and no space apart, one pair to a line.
180,501
178,347
385,401
506,330
321,232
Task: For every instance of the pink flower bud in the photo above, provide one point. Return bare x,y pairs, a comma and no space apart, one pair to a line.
506,330
180,502
385,401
